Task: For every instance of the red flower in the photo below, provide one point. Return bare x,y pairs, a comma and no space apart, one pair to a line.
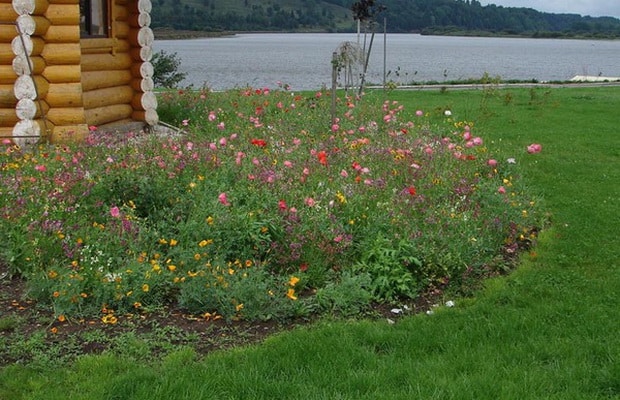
282,205
322,156
259,142
411,190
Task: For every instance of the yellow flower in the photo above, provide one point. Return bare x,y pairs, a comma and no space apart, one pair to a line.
172,267
163,241
109,319
239,307
62,318
173,242
52,274
210,220
291,294
145,287
293,281
341,197
204,243
248,263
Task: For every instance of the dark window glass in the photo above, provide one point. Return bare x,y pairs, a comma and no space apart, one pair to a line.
94,18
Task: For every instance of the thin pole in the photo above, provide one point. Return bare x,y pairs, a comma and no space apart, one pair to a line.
384,52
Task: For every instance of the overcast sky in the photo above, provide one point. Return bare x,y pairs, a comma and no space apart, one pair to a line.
594,8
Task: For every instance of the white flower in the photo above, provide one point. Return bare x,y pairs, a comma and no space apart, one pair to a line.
447,113
430,312
396,310
511,161
449,303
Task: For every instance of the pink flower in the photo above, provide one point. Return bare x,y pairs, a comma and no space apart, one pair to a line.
212,116
222,198
221,126
419,113
310,202
282,205
115,212
534,148
477,141
335,127
288,164
223,141
492,163
501,190
92,128
185,122
467,135
344,173
40,168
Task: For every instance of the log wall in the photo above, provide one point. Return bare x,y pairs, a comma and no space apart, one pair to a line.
53,84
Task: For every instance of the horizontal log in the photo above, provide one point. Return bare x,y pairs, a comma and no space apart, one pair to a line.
7,75
66,116
63,14
8,117
103,62
69,134
144,101
63,73
109,114
33,25
122,29
29,45
7,96
30,6
92,80
108,97
144,53
7,32
64,95
6,132
30,87
140,20
23,65
121,12
142,70
141,37
25,109
31,109
149,116
143,84
6,53
63,34
26,132
7,13
62,54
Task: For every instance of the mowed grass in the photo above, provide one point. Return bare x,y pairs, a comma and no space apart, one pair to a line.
550,330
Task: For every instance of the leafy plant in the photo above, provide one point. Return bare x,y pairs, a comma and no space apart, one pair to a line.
166,69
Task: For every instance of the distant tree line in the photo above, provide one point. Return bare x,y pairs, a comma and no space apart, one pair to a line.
422,16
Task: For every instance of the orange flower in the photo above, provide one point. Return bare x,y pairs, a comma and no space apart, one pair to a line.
291,294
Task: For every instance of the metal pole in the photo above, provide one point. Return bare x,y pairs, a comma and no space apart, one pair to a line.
384,52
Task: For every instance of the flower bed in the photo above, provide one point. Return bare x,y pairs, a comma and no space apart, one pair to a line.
264,209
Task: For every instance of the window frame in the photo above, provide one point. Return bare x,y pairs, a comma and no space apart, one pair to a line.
91,10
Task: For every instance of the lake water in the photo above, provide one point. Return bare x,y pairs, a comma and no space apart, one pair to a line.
303,61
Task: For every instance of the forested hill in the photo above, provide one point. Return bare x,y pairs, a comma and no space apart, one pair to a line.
425,16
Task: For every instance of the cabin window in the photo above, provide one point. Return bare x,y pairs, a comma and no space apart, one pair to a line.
94,18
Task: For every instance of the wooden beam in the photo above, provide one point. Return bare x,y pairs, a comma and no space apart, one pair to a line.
108,114
108,97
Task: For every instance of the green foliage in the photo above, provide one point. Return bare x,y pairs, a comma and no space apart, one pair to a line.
166,69
436,17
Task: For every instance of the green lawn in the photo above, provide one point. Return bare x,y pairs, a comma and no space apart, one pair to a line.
550,330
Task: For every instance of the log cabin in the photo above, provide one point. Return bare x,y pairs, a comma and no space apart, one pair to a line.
67,65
